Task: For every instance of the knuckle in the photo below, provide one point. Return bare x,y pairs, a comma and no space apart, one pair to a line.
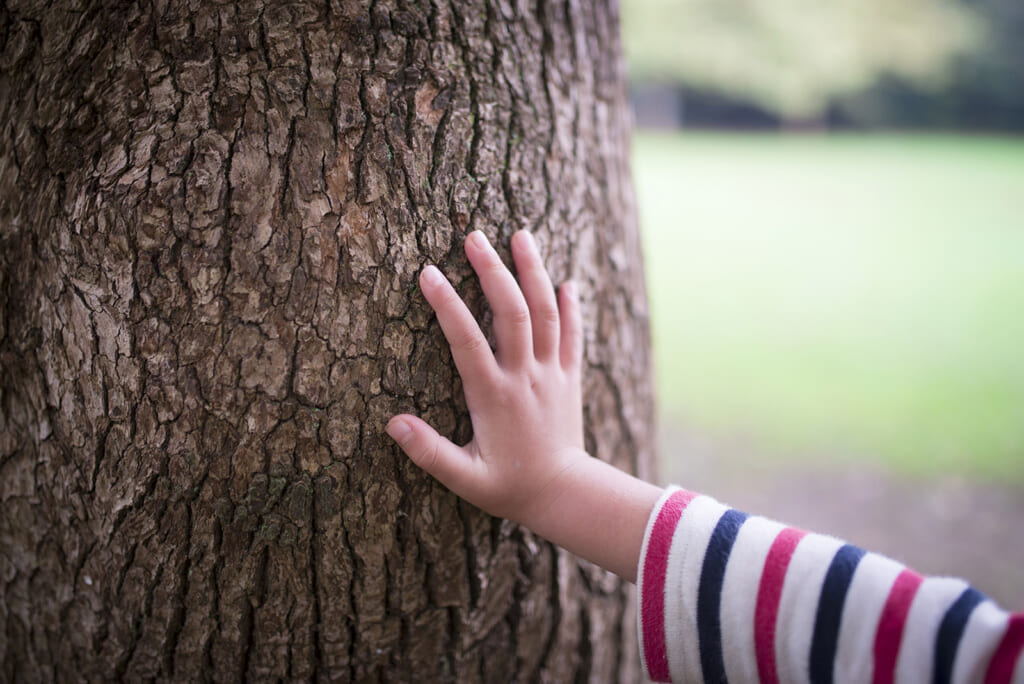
471,341
533,267
450,298
429,456
549,315
519,316
494,264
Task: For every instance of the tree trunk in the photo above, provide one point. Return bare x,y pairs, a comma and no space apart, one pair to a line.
212,217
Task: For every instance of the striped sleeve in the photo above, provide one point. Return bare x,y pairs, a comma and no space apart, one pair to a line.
724,596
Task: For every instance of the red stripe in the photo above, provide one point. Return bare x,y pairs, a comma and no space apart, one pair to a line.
1000,668
889,634
652,602
769,593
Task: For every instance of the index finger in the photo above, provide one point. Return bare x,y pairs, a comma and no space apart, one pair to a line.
473,356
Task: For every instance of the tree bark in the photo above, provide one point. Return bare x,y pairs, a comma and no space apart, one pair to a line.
212,217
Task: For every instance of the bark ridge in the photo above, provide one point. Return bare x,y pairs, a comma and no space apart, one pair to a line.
212,216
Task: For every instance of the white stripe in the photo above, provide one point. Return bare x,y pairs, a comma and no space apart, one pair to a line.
640,574
685,561
739,596
798,606
917,650
862,609
982,634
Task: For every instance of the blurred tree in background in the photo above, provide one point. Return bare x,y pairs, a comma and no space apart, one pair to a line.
984,88
952,63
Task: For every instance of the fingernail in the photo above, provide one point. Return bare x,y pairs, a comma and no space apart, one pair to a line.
432,276
399,430
570,289
478,239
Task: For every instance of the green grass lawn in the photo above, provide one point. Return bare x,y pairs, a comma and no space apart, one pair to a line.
849,295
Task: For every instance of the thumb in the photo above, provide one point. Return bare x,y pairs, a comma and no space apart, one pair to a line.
438,456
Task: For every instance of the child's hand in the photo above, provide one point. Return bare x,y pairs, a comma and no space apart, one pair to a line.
525,403
526,460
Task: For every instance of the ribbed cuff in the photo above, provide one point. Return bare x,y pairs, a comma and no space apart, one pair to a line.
650,582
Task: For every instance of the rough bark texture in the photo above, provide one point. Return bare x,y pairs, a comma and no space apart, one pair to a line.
212,216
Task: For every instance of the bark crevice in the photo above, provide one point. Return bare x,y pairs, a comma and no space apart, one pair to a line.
212,220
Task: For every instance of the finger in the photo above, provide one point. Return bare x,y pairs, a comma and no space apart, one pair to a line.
450,464
570,352
539,293
511,314
472,354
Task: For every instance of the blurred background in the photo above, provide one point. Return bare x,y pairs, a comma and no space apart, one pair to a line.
832,204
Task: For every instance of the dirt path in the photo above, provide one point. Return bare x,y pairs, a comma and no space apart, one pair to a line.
945,526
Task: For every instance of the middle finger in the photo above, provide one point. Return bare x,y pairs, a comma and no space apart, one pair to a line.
511,313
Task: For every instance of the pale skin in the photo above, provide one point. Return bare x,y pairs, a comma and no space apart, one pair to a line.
526,460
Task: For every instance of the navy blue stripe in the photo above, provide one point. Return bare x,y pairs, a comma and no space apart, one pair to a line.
954,622
830,612
709,594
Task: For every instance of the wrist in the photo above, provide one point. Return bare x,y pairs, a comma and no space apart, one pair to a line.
598,512
545,503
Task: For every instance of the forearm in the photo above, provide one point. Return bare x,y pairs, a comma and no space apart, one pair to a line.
598,513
